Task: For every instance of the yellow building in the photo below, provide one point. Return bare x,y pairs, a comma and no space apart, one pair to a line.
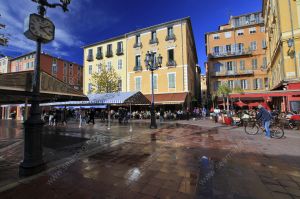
282,22
110,53
176,82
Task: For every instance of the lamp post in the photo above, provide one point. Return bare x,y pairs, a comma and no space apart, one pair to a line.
40,29
153,63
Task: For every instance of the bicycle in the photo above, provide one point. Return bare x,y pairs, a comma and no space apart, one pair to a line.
254,127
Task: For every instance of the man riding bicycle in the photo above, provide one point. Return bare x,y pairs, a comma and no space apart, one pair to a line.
265,117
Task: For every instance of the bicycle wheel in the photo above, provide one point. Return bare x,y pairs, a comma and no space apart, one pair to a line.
251,128
276,132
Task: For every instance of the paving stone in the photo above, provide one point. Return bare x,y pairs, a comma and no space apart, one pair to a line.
281,196
293,191
288,183
150,190
276,188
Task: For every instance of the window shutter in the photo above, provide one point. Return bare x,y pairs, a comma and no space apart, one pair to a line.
221,67
232,48
260,83
254,84
234,66
247,84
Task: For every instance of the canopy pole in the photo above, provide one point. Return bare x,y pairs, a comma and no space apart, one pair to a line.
130,128
108,127
26,110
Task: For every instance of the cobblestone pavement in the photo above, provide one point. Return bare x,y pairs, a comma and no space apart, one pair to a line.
192,159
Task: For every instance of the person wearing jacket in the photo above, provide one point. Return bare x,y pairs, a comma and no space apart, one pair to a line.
265,117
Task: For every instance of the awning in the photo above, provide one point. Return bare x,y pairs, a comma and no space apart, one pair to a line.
169,98
121,98
266,94
16,87
240,104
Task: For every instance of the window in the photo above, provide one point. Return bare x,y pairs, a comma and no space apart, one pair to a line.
252,30
170,31
217,67
229,66
99,68
254,64
216,50
216,36
240,47
257,84
65,68
138,61
90,69
27,65
242,64
71,69
154,81
153,35
230,84
119,85
119,64
227,35
244,84
266,81
171,80
253,45
71,80
264,44
262,29
90,55
108,68
54,69
171,55
264,65
240,32
65,79
120,47
138,83
216,85
138,39
109,50
90,87
99,54
228,48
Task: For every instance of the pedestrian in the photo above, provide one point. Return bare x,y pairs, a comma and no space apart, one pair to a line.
161,115
265,117
203,112
51,115
92,117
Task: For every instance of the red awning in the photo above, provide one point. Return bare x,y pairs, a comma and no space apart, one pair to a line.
240,104
170,98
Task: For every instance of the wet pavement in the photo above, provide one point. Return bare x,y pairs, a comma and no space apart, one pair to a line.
195,159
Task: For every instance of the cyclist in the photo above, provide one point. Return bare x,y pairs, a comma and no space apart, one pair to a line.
265,117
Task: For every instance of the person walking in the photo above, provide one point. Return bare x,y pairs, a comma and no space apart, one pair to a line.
92,117
161,115
265,117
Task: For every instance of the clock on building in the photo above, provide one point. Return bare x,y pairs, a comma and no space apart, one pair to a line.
39,28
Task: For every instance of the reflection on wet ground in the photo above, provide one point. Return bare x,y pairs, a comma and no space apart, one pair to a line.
184,162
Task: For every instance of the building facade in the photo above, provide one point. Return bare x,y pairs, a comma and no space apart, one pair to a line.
68,72
203,87
174,41
236,55
107,54
4,64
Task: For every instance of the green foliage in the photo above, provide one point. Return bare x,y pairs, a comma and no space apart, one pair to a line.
105,82
224,90
238,89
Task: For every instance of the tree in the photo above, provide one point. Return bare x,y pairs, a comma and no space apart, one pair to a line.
223,91
105,82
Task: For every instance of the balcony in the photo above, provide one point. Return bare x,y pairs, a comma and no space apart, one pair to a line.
137,68
90,58
119,51
137,45
109,54
170,37
99,56
231,54
153,41
171,63
233,73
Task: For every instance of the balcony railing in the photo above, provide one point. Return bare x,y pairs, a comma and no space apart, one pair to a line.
170,37
99,55
137,68
153,41
109,54
171,63
233,73
90,58
137,45
232,53
119,51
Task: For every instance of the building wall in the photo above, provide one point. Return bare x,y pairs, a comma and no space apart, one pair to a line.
68,72
203,82
103,62
248,72
282,65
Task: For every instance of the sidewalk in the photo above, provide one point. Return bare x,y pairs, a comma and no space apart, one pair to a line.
240,166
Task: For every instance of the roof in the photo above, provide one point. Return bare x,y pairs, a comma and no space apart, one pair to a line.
105,41
136,98
15,87
169,98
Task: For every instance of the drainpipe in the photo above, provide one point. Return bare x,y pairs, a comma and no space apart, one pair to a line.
293,37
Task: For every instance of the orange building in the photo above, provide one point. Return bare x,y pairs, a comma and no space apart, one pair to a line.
66,71
236,55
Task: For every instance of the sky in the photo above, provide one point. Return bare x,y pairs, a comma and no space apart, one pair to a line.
90,21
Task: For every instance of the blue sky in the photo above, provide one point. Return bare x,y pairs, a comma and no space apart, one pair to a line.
90,21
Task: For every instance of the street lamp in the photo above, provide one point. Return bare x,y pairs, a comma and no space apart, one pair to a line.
41,30
153,63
